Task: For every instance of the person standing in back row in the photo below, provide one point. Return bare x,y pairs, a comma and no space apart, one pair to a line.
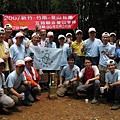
90,46
76,48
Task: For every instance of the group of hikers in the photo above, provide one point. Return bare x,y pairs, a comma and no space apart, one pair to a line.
86,66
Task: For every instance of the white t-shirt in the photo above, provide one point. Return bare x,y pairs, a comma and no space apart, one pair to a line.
95,68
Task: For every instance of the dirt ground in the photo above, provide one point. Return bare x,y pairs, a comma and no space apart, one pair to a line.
64,108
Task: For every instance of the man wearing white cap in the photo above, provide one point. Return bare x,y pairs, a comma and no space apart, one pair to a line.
4,51
24,31
112,86
16,84
106,52
51,44
113,39
66,51
5,101
76,48
90,46
43,37
8,32
17,50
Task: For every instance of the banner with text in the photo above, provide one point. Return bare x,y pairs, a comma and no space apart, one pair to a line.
42,21
45,58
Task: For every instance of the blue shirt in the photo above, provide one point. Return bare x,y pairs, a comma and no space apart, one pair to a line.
70,73
17,53
91,48
118,52
24,42
53,45
112,78
14,80
66,50
103,57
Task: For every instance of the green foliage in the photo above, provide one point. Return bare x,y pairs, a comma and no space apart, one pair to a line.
104,15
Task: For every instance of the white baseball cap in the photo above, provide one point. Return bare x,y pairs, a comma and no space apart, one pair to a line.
20,63
110,61
34,34
68,34
24,28
2,30
50,33
19,34
27,59
112,33
61,36
78,31
92,29
106,34
8,26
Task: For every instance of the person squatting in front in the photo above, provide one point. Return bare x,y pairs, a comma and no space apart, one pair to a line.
112,86
5,101
16,84
69,78
33,76
90,80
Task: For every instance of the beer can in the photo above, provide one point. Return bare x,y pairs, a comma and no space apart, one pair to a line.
2,91
23,95
86,100
76,53
102,89
68,40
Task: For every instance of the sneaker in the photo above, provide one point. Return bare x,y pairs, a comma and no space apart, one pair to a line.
94,101
115,107
37,97
26,103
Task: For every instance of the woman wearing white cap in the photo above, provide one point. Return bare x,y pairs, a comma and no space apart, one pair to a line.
66,50
50,36
33,76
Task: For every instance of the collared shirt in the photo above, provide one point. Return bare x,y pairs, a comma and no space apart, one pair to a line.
77,48
70,73
103,57
17,53
112,78
91,48
14,80
66,50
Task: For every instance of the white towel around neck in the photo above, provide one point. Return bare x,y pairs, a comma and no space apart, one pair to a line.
28,73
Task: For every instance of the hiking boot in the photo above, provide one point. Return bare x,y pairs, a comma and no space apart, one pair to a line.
115,107
94,101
